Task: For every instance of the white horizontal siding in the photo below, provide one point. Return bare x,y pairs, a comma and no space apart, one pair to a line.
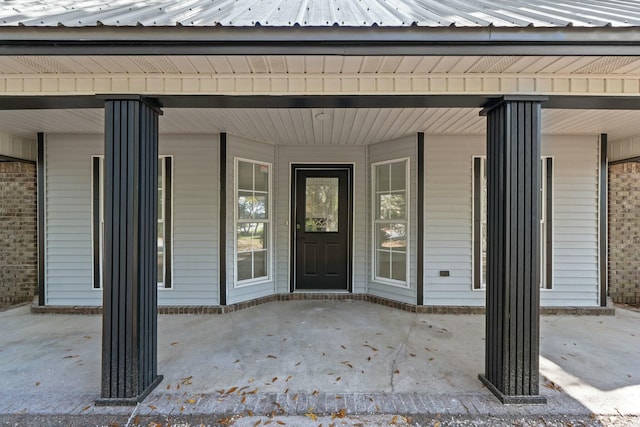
286,155
195,219
576,269
448,220
384,151
69,267
242,148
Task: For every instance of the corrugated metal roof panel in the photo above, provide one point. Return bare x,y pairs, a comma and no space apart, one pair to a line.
322,13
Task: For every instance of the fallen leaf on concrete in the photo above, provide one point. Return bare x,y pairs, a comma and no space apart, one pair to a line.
153,407
85,408
295,398
553,386
312,416
186,380
274,379
182,409
257,423
412,355
38,382
282,423
237,361
315,392
271,356
87,337
394,420
346,362
191,401
397,371
341,413
288,378
371,347
71,357
298,364
436,424
173,344
244,399
286,390
231,390
338,379
343,347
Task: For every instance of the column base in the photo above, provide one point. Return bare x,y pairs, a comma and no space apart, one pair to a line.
129,401
512,400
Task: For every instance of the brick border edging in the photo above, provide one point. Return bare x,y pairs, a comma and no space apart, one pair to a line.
411,308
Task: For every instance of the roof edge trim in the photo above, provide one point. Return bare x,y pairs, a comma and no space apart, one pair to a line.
318,41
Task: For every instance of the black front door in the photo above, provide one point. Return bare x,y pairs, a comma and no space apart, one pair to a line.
321,227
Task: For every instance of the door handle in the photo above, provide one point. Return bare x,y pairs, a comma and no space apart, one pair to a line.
298,226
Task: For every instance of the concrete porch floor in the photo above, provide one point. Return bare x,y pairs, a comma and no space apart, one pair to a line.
312,362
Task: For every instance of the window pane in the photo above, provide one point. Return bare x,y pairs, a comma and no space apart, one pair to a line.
382,178
245,235
260,264
160,195
392,236
160,253
261,177
245,205
392,206
245,176
398,176
244,266
260,207
321,210
399,266
383,264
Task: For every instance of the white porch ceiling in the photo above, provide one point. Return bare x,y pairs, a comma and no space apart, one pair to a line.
316,65
341,126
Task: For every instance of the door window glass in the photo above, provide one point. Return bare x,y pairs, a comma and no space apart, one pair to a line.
321,207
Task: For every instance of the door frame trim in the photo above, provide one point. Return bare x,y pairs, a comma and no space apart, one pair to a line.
294,167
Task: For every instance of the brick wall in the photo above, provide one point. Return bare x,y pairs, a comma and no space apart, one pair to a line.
624,233
18,235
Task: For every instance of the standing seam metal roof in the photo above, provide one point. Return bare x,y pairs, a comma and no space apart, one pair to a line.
321,13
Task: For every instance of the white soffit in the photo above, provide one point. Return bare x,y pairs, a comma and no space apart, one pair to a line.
341,126
318,65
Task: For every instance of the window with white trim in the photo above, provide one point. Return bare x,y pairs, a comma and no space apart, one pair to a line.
165,208
253,221
480,222
390,221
